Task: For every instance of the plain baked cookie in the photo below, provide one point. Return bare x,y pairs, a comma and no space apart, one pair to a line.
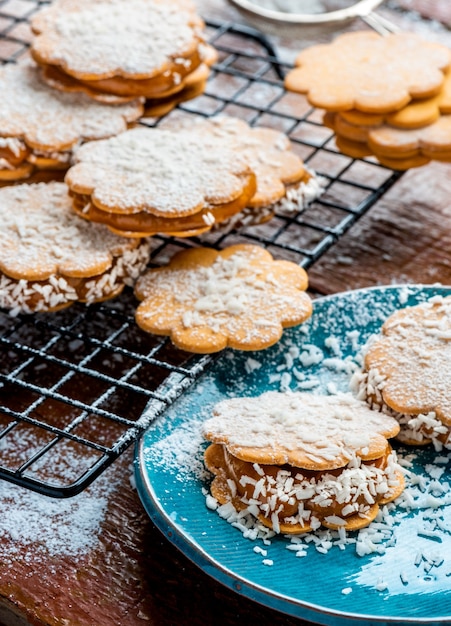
207,300
367,72
297,461
40,127
50,258
406,372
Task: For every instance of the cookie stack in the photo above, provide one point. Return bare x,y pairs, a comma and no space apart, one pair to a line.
114,50
386,96
41,127
298,461
183,179
50,258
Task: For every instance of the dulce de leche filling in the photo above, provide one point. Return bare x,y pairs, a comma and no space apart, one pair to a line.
295,500
145,224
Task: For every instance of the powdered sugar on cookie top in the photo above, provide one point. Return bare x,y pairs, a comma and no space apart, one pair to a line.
47,119
301,429
40,235
161,172
113,37
207,300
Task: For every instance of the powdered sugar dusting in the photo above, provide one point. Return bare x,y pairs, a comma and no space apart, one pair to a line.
330,344
153,170
115,37
51,120
325,429
35,527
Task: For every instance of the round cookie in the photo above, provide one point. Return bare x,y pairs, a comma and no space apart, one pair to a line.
133,48
298,461
406,369
351,72
39,127
207,300
50,258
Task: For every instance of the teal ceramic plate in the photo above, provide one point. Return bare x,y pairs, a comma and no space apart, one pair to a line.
405,579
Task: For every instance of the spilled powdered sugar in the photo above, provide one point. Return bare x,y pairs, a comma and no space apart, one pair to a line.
35,527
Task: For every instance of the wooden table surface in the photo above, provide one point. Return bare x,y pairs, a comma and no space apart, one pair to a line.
120,570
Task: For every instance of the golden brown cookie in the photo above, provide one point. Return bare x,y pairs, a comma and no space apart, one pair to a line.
351,72
417,113
207,300
50,258
406,372
150,180
297,460
133,48
393,158
39,127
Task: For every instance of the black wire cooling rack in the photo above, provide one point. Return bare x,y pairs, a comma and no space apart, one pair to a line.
78,387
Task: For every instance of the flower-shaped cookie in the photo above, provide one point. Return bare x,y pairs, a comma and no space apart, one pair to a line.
406,371
298,460
304,430
365,71
207,300
49,257
47,123
414,115
149,180
432,141
267,151
141,47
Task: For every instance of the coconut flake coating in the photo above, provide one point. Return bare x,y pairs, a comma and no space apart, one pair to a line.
406,370
135,38
41,236
48,119
301,429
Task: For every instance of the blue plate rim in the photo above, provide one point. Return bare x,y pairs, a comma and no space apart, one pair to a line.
216,570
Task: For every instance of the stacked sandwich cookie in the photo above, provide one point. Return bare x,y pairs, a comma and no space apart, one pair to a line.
50,258
114,50
384,96
298,461
41,127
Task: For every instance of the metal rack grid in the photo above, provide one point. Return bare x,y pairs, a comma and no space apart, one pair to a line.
79,386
